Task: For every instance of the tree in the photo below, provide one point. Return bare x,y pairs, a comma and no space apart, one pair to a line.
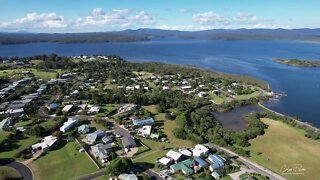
119,166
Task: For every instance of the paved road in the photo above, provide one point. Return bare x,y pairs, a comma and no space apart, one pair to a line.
259,169
24,171
150,173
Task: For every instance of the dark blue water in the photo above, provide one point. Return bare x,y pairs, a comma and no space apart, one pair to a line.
254,58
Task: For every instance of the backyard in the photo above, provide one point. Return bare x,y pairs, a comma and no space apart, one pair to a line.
63,162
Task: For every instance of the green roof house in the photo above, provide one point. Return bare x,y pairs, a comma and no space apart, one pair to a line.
186,167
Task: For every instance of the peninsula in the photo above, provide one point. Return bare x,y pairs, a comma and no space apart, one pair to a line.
298,62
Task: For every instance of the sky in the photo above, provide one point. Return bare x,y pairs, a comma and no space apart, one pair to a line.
189,15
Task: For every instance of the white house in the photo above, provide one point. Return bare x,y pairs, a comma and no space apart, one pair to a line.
46,143
202,94
94,110
145,130
200,150
185,152
67,108
83,129
69,124
164,161
176,156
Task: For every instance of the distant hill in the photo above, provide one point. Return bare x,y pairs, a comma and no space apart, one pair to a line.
147,34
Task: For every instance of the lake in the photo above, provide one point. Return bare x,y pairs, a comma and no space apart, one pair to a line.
253,58
234,120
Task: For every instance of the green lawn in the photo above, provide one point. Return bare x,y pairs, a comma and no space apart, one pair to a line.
283,147
16,144
46,75
7,172
248,96
63,163
151,108
219,99
3,135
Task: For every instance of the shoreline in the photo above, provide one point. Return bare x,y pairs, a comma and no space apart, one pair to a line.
301,123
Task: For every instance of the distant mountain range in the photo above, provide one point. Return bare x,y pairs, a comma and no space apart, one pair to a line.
149,34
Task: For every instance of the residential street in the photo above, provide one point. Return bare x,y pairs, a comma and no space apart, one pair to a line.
24,171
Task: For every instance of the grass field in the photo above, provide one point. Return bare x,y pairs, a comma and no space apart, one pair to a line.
16,144
46,75
63,163
248,96
7,172
283,147
219,99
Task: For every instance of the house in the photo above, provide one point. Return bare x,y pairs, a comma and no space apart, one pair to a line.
186,167
92,137
186,88
145,130
94,110
5,123
200,151
216,174
200,162
154,136
202,94
128,142
185,152
67,108
46,143
101,151
84,129
69,124
164,161
127,177
217,161
173,155
107,139
127,108
15,112
143,122
53,106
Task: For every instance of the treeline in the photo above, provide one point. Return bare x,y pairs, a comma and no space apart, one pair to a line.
10,38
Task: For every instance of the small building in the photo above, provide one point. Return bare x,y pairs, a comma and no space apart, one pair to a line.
107,139
69,124
186,167
128,142
46,144
173,155
101,151
216,174
94,110
202,94
15,112
92,137
201,163
127,177
67,108
164,161
53,106
143,122
5,123
185,152
84,129
217,161
145,131
200,151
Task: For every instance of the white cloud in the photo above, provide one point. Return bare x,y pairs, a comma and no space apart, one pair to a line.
177,27
35,20
116,18
211,20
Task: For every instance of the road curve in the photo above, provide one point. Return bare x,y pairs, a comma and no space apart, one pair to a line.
24,171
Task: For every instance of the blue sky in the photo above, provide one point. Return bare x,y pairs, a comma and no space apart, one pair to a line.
111,15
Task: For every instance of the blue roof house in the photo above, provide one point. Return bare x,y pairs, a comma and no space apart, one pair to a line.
143,122
200,162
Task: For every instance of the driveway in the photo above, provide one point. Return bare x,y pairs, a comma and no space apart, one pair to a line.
24,171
